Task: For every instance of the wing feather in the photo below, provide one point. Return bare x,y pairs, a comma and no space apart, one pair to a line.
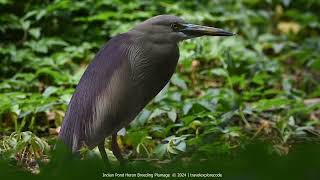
97,95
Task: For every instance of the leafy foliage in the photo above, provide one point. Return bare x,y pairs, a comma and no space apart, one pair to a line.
261,84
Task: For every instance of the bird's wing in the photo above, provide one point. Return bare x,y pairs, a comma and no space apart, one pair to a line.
99,96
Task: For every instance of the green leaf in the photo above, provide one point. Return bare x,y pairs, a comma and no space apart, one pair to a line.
219,72
160,150
176,80
49,90
141,119
172,115
134,138
186,108
157,113
35,32
268,104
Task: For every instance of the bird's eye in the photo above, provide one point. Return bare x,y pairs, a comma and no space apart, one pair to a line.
175,26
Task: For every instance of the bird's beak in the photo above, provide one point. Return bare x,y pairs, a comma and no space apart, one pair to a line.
193,30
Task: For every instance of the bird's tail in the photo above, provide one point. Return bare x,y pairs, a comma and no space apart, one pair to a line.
70,134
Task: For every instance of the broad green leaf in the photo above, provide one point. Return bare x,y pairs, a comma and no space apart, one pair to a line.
176,80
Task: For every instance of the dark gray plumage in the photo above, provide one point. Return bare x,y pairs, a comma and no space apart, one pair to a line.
124,76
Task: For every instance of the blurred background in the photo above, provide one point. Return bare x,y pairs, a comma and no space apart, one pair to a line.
263,84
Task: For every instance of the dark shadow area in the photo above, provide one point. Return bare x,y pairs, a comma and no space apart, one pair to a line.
256,162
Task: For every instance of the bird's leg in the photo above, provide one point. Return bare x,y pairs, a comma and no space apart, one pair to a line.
116,150
103,154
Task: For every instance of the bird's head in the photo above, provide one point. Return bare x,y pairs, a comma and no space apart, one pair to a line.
168,28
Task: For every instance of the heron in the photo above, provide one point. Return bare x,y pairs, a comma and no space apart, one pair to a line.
124,76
